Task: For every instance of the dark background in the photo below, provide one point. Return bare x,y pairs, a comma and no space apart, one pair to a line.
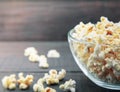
50,20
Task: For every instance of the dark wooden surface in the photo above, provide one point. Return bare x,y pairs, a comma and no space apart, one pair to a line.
36,20
13,61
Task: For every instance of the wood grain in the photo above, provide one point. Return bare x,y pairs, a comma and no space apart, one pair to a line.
44,20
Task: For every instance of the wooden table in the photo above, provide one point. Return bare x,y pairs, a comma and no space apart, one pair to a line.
13,61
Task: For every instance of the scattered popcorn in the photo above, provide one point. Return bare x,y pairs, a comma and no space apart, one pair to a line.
68,86
24,82
9,82
53,54
99,48
30,50
43,62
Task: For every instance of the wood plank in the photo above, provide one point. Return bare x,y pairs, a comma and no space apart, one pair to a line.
50,20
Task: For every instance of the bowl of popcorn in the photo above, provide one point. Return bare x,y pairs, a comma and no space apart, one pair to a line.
96,50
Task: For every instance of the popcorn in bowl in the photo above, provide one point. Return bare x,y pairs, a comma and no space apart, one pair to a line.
96,49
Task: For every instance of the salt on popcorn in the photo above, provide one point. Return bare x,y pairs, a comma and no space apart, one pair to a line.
99,49
9,82
68,86
53,54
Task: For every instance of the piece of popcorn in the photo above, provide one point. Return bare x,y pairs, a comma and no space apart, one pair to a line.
53,54
43,64
41,81
23,86
24,82
54,77
34,57
48,89
9,82
38,88
12,86
30,50
53,72
51,78
5,81
68,86
61,74
42,58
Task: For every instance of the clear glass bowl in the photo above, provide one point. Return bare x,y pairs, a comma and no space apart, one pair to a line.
74,45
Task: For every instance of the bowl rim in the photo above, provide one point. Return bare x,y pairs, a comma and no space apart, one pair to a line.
77,40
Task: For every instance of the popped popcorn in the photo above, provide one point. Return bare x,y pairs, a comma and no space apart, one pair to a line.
30,50
39,87
61,74
53,77
24,82
43,62
48,89
99,48
34,57
9,82
53,54
68,86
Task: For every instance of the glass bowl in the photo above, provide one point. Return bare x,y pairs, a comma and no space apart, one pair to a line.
91,70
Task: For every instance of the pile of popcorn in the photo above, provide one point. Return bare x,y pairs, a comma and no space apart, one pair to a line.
99,48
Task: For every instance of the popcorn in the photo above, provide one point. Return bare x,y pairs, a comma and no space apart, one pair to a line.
24,82
34,57
99,48
53,54
43,62
53,77
39,87
68,86
48,89
9,82
61,74
30,50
